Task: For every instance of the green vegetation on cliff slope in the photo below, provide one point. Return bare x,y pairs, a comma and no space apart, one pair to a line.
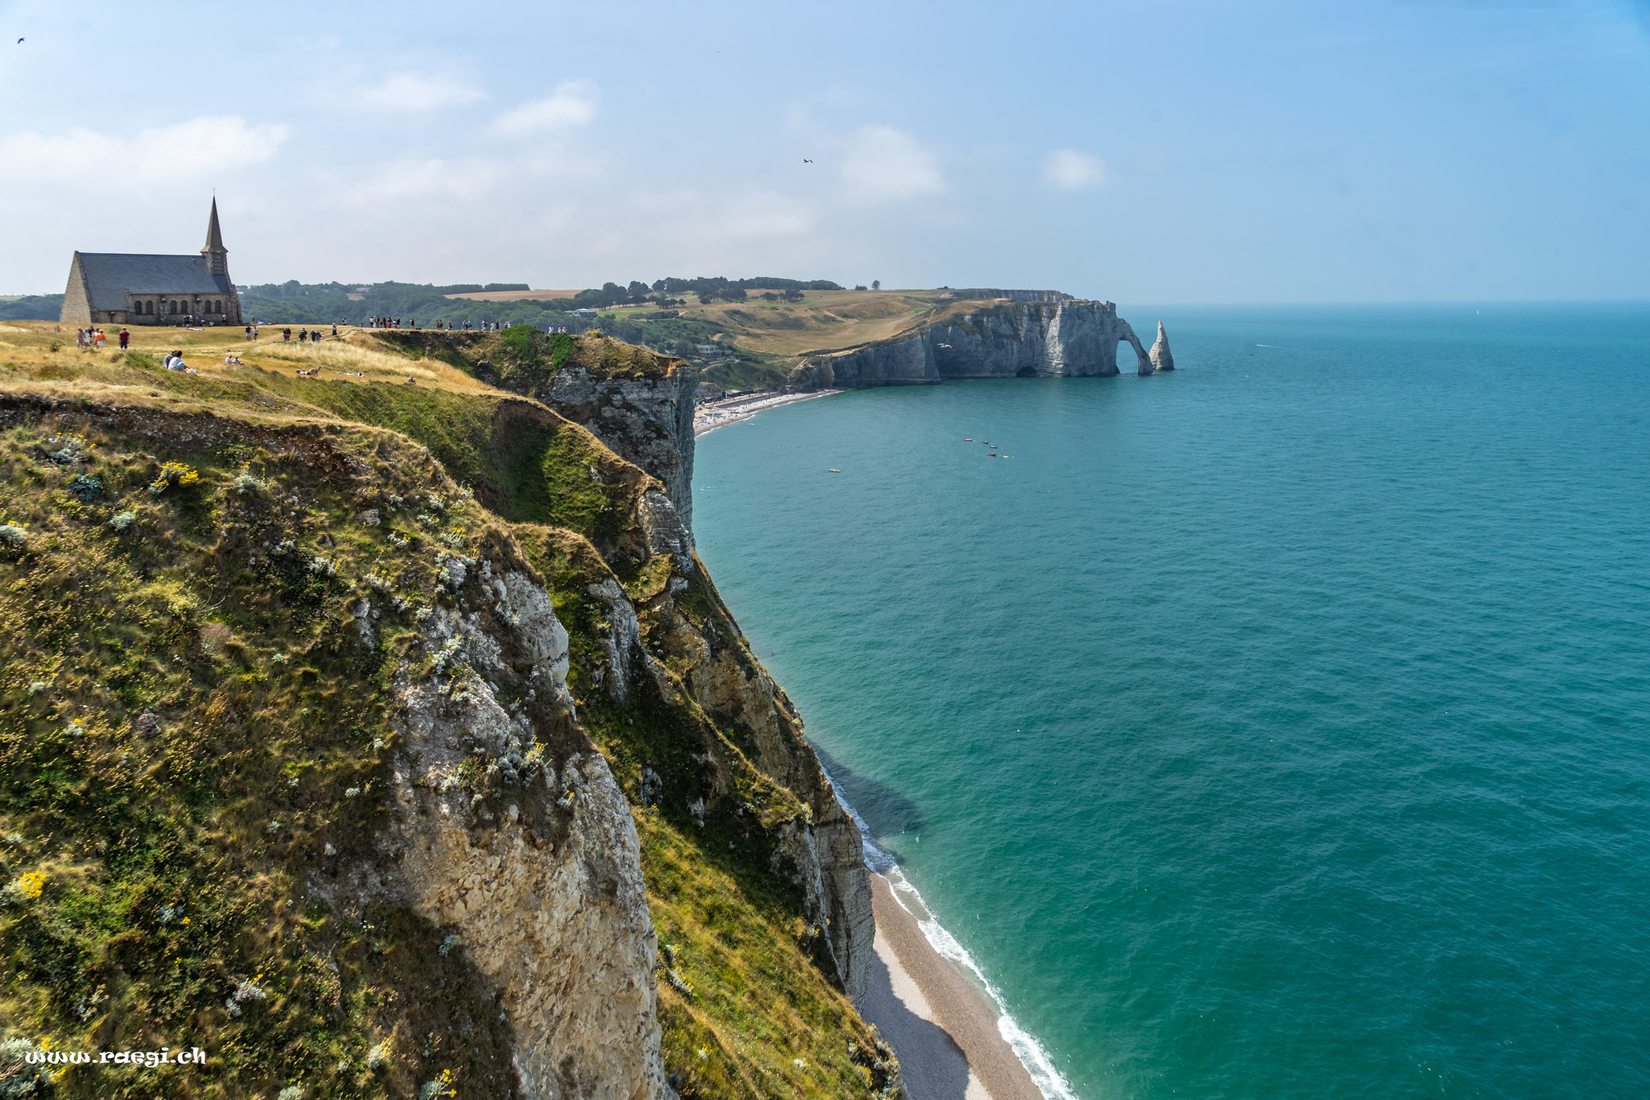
747,342
192,731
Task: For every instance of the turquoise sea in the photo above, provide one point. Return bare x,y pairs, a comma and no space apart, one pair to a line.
1278,728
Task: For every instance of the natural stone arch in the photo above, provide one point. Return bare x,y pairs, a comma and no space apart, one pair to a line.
1127,336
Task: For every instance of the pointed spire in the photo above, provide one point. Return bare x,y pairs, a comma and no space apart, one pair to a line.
214,235
217,256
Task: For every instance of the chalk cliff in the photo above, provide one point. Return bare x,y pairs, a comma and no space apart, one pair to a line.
1039,337
1162,358
646,418
410,760
639,402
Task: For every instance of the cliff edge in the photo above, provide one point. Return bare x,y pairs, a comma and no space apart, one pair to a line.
394,741
1034,335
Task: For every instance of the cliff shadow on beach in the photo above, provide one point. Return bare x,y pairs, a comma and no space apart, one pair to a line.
932,1065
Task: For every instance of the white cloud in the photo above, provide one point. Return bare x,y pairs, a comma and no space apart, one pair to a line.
572,104
152,159
405,187
882,164
1071,170
746,215
418,92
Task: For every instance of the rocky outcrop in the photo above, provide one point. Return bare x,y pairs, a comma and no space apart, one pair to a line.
677,638
1001,339
822,852
647,420
528,856
1162,358
483,850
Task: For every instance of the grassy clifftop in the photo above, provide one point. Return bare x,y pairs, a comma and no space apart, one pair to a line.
199,725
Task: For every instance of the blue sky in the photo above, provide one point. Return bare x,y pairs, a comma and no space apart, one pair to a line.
1143,152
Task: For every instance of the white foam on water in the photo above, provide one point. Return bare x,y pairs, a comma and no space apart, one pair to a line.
1049,1080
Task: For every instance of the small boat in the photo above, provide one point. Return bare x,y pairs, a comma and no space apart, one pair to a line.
991,454
968,439
834,470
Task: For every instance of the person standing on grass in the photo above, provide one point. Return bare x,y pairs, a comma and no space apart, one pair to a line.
124,337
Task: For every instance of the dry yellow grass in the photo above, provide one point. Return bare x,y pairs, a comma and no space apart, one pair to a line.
26,352
824,320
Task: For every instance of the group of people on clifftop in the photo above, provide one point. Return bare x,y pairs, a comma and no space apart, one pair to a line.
96,339
305,336
440,326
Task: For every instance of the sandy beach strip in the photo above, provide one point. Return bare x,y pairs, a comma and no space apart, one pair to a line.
710,415
939,1022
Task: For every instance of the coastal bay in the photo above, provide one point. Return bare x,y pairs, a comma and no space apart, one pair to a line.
1249,726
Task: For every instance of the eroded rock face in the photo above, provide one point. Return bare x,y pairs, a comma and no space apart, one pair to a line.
1016,339
510,831
648,421
680,640
1162,358
826,853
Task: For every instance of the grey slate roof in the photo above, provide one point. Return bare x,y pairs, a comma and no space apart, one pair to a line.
111,275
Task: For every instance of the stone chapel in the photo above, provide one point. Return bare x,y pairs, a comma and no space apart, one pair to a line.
119,288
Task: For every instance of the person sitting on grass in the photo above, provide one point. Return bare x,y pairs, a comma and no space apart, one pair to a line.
175,362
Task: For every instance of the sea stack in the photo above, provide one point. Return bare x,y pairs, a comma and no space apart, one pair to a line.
1162,358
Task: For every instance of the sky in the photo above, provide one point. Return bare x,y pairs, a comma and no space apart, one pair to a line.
1162,152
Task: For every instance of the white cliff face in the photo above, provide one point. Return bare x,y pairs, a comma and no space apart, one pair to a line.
647,421
1018,339
510,832
1056,349
1162,358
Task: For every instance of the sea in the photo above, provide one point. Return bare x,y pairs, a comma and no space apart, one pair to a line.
1275,728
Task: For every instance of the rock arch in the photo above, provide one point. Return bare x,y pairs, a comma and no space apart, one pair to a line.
1143,361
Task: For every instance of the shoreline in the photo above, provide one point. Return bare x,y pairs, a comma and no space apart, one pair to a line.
710,415
926,997
942,1026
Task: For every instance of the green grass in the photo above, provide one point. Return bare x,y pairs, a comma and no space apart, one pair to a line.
178,740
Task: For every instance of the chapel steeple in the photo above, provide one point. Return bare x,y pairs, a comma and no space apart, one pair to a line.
217,256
